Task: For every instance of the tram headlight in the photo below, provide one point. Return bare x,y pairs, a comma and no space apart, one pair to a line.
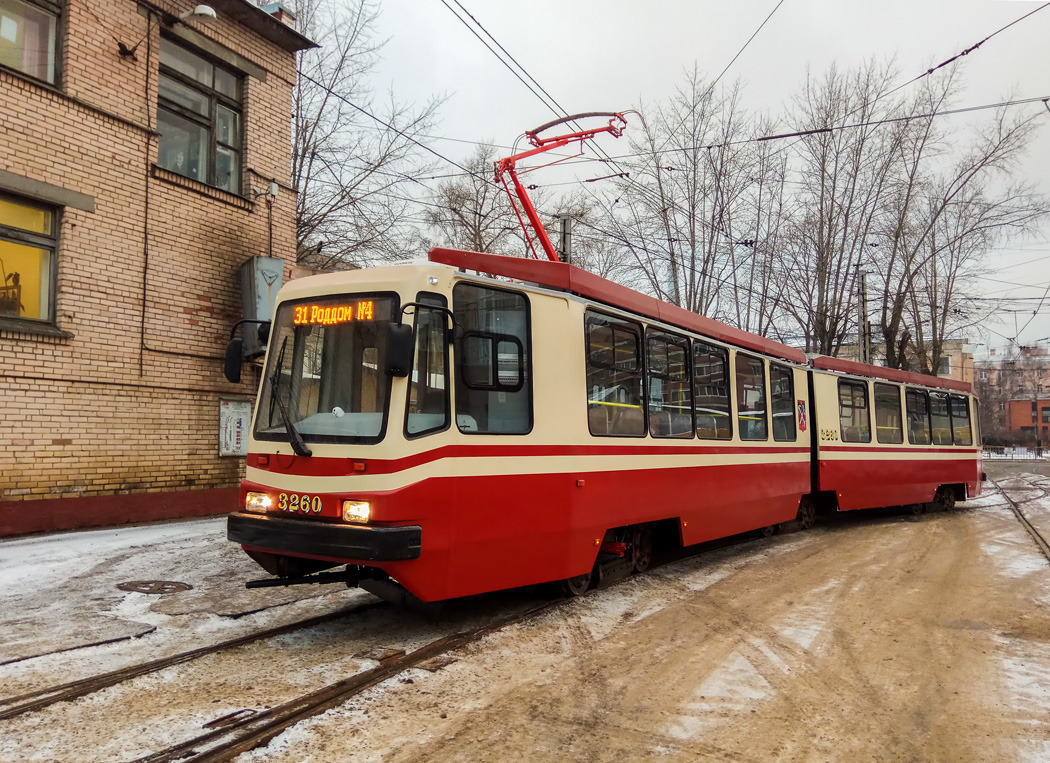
356,511
257,502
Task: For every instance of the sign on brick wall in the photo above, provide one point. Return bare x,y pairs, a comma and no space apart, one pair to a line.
235,420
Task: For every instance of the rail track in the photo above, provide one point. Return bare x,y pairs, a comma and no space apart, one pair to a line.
240,732
11,707
1015,506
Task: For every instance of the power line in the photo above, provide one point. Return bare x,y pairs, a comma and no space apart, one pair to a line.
386,124
714,82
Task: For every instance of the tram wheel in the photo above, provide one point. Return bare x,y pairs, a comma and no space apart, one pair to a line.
576,586
807,514
918,508
768,531
641,547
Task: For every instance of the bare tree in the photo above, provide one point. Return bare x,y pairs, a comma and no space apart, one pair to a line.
673,215
472,211
942,229
841,176
351,170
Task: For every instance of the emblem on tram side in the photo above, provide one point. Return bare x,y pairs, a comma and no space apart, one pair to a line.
802,415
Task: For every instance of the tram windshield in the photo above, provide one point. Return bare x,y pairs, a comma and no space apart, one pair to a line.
324,378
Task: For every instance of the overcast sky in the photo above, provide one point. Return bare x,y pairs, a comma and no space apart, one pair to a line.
608,55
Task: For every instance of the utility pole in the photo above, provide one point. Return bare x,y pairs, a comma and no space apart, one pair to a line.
863,326
565,249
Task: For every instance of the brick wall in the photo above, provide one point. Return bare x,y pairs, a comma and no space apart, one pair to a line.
147,290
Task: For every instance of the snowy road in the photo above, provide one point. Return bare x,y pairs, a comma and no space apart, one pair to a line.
877,637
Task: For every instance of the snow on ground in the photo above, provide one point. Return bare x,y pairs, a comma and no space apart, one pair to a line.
63,613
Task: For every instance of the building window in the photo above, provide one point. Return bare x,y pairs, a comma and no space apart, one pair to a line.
27,260
944,368
199,118
28,38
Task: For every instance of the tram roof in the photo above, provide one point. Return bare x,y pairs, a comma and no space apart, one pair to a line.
565,277
890,374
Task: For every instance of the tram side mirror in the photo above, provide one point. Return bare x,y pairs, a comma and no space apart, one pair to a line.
232,366
263,332
399,350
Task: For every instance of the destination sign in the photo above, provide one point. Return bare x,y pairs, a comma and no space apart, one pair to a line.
331,315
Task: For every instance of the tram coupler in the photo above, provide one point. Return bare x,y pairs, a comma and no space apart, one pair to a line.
347,577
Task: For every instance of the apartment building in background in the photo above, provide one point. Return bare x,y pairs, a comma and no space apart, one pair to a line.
140,144
1014,389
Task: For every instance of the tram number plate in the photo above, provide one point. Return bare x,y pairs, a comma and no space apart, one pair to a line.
829,434
294,503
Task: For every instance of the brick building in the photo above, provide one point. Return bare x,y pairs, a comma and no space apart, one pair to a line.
1014,388
136,154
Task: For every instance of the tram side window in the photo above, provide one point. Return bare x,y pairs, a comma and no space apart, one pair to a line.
961,433
940,418
918,407
751,398
976,421
782,402
670,391
888,428
854,419
711,391
428,390
493,367
614,376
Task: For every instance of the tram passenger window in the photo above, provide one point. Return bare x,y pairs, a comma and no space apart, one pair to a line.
782,402
854,419
428,391
918,407
493,366
940,418
670,391
614,376
961,420
711,391
888,427
751,398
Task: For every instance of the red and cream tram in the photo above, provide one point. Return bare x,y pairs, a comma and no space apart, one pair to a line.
483,422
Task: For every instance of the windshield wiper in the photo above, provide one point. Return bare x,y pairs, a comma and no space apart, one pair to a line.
296,439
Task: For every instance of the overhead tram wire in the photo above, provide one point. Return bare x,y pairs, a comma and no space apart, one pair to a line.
557,108
386,125
872,123
711,87
928,72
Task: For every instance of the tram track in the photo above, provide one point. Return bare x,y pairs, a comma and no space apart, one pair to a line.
11,707
236,734
1015,506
